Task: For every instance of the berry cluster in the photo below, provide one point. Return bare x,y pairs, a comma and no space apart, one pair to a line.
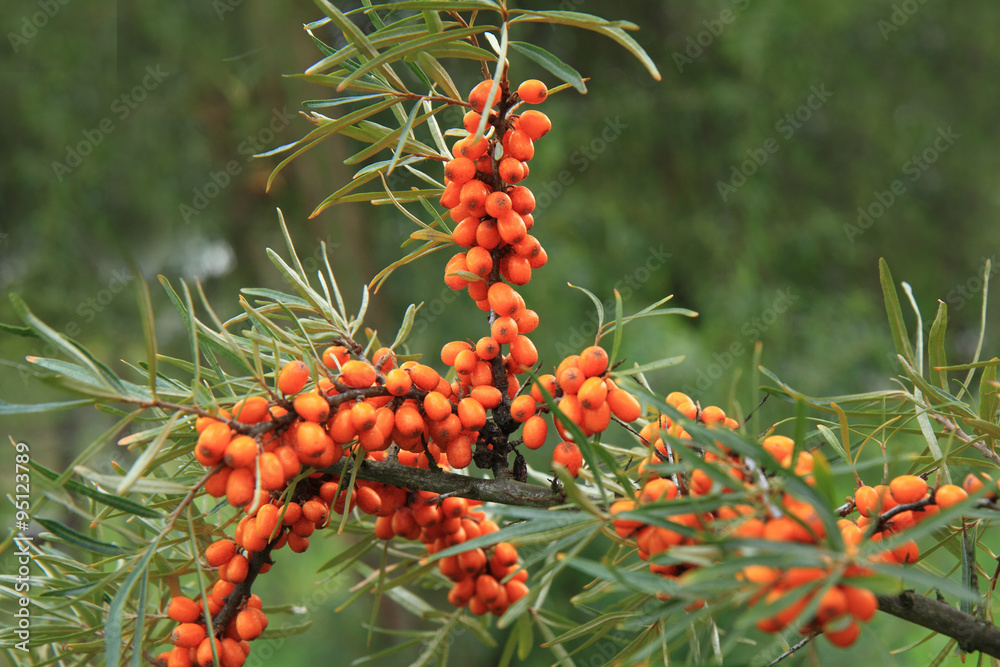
774,515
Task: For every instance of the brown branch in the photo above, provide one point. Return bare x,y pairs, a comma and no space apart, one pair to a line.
951,427
971,633
242,591
505,491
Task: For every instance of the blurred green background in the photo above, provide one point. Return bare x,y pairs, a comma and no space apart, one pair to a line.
786,149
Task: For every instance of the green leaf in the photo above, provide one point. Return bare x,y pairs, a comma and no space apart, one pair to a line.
354,35
936,356
610,29
597,304
831,439
22,409
324,131
989,394
651,366
349,556
408,48
551,63
118,502
616,344
116,612
897,325
439,74
404,329
79,540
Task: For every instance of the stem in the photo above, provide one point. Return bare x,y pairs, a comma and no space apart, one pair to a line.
504,491
971,633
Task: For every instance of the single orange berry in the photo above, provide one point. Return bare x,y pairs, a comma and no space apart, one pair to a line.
313,407
293,377
568,455
532,91
908,489
949,495
241,452
357,374
534,123
183,610
188,635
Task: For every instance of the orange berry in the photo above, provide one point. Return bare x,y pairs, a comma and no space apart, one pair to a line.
293,377
511,170
534,123
398,382
503,330
436,406
357,374
252,410
248,625
425,377
472,414
779,446
311,441
502,299
183,610
521,200
497,204
515,270
861,602
845,636
592,393
240,487
908,489
974,482
949,495
188,635
313,407
236,569
523,408
212,443
487,347
568,455
523,351
459,452
472,561
593,361
460,170
488,395
369,501
624,405
266,520
477,98
203,654
519,145
231,653
363,416
571,379
867,501
533,91
179,656
241,452
464,147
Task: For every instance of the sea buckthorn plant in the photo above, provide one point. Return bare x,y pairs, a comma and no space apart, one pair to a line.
465,481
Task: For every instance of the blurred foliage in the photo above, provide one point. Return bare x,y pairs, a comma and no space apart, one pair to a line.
634,167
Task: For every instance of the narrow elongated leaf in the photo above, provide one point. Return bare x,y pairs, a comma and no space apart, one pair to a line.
597,304
79,540
611,29
118,502
116,612
651,366
409,48
936,356
355,35
439,74
897,326
551,63
314,138
23,409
